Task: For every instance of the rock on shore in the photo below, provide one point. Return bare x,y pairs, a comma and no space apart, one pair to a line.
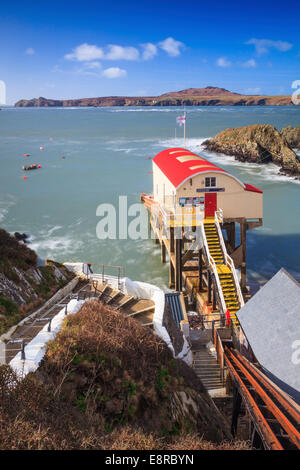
258,144
292,135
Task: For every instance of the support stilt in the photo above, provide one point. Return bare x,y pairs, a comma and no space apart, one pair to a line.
236,408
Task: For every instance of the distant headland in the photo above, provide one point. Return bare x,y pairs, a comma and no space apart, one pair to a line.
209,96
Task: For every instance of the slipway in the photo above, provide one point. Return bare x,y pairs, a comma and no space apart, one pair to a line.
271,322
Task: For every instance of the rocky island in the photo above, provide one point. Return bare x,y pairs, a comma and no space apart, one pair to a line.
259,144
208,96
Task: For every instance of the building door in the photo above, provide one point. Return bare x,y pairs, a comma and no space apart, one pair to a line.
210,204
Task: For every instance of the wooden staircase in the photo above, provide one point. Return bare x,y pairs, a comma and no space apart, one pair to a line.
141,310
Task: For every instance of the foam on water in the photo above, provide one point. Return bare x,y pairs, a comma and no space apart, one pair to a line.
267,172
107,153
6,202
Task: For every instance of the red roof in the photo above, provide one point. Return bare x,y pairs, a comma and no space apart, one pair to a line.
178,171
249,187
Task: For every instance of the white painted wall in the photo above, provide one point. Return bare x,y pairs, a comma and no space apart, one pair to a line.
235,201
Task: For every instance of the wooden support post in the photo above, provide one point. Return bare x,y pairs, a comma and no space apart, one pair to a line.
149,224
236,408
178,265
209,286
171,275
230,229
214,298
243,228
256,441
172,239
200,271
163,252
171,267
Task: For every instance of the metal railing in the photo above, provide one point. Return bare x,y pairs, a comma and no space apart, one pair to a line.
220,352
228,260
178,216
103,276
213,268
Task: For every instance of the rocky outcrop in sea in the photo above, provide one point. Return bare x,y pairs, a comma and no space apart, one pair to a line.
258,144
292,136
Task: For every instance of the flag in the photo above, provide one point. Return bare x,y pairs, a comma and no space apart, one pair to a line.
180,120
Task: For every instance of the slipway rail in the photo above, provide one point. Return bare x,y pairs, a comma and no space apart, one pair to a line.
275,416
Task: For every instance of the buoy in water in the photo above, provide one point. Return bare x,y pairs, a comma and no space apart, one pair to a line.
39,166
25,177
41,148
63,156
26,154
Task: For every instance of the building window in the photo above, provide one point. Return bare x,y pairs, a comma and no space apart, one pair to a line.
211,182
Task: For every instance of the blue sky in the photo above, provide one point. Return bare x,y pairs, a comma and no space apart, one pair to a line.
83,49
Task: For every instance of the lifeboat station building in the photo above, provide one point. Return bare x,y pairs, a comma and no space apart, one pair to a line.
182,178
184,182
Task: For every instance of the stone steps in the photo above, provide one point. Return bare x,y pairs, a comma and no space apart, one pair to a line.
207,369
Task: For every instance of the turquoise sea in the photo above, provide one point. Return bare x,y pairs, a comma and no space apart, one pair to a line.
107,154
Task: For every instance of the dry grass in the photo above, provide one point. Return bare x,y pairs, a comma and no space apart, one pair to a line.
105,383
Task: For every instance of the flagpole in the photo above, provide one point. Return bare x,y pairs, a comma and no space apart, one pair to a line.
184,129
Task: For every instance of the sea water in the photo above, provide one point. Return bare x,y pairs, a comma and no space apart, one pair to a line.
108,153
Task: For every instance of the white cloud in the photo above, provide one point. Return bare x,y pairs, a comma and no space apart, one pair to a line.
223,62
30,51
263,46
93,65
150,50
171,46
250,63
85,52
90,68
114,72
252,91
116,52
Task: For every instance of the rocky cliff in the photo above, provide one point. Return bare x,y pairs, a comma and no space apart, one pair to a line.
292,136
259,144
24,286
209,96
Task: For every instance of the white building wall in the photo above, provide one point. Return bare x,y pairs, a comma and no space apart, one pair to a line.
234,200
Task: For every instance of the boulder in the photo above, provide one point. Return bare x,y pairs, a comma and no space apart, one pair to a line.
258,144
292,136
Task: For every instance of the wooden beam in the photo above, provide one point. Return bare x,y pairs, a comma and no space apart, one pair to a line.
209,287
178,265
244,250
163,252
187,256
200,270
142,310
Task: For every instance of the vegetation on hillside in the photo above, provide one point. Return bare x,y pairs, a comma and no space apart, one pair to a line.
106,382
23,285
